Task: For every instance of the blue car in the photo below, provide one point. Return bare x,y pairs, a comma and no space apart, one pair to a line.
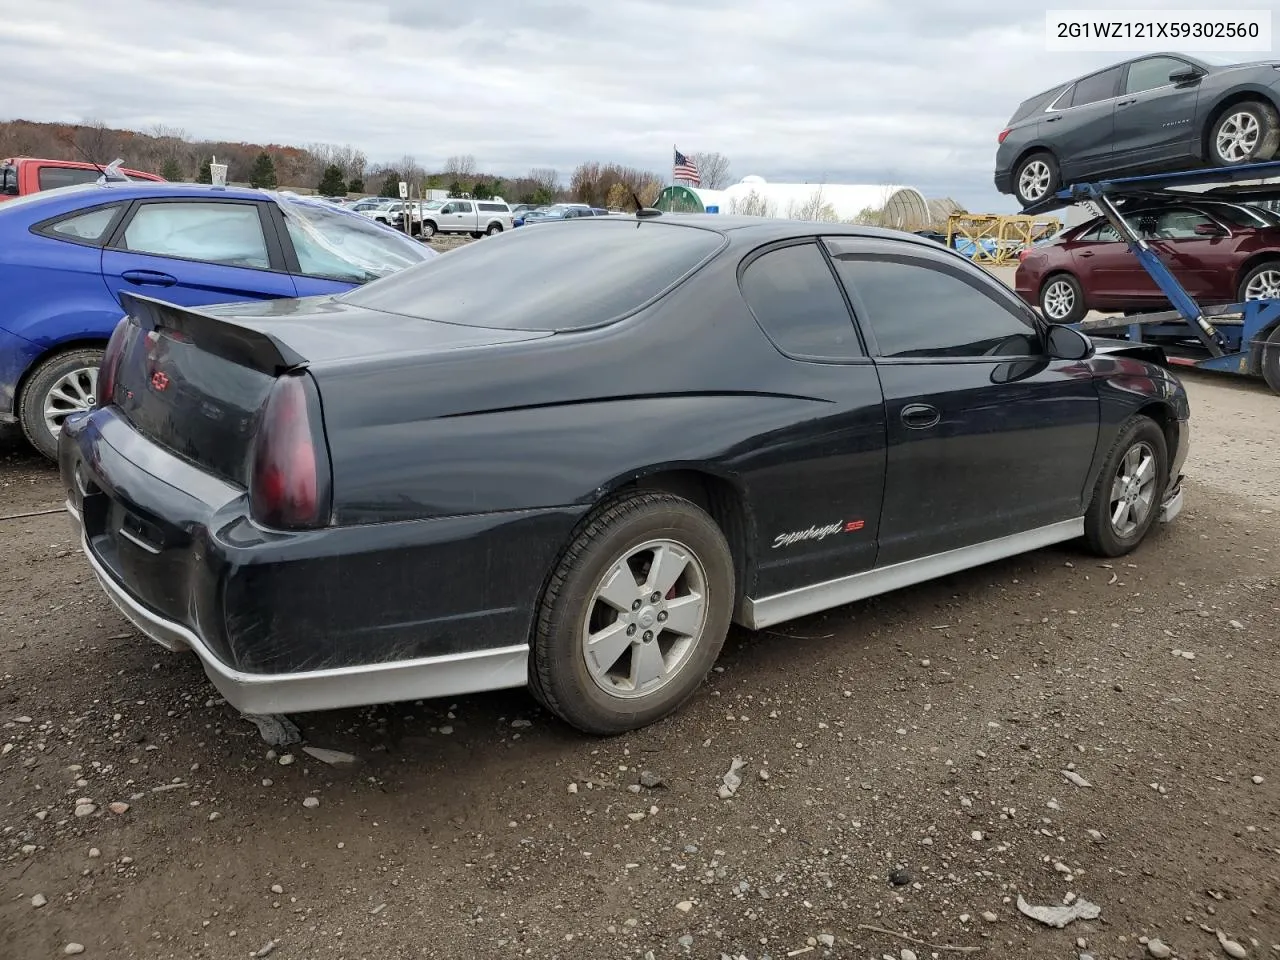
66,255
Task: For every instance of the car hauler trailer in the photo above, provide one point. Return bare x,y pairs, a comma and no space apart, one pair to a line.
1241,338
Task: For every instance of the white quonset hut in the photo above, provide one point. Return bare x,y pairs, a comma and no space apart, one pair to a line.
903,208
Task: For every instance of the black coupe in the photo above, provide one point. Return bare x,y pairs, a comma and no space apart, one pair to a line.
428,486
1152,114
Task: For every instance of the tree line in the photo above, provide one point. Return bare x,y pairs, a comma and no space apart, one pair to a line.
335,170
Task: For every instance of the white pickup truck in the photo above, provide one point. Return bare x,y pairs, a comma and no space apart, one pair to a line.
476,217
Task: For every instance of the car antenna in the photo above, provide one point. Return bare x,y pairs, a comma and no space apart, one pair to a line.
641,210
69,140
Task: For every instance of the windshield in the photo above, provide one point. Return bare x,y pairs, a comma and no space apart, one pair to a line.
570,276
1243,216
344,246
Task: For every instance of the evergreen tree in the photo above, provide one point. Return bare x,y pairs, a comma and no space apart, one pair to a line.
172,171
390,184
455,189
356,186
263,174
332,184
480,190
205,175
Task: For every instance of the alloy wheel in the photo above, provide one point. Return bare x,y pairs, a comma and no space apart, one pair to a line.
645,617
73,392
1059,299
1133,489
1264,285
1033,182
1238,137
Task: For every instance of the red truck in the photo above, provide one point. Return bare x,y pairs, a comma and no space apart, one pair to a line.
22,175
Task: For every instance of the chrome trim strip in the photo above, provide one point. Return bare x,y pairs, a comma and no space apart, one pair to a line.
444,676
767,611
1170,509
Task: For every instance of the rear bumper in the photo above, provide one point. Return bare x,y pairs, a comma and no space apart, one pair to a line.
288,622
443,676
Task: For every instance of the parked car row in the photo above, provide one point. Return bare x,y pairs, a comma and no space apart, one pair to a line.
68,257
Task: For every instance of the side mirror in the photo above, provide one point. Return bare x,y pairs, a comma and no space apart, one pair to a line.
1064,343
1185,74
1209,230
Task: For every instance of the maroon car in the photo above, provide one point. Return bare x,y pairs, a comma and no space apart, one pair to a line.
1220,252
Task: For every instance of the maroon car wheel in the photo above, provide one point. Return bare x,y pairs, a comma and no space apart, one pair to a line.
1062,299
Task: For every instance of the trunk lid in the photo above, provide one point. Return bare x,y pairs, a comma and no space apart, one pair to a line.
196,381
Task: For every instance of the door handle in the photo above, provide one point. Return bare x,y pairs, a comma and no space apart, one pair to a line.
1054,119
920,416
149,278
1125,103
1086,253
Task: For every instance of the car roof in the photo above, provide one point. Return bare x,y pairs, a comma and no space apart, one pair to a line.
137,189
765,229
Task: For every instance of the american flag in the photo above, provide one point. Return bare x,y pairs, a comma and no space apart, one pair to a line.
685,168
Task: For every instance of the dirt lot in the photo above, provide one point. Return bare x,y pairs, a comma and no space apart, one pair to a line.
921,736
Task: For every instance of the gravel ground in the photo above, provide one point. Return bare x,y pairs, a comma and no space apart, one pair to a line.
913,764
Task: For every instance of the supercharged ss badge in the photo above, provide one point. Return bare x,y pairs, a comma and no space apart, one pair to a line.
817,533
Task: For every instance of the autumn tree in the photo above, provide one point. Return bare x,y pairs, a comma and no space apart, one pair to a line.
592,182
332,184
713,170
263,174
462,168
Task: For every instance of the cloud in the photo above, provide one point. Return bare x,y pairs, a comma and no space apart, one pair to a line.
852,91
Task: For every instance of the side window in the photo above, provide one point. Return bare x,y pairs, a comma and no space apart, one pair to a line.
1100,86
797,303
1151,73
229,233
90,227
463,207
916,309
1101,233
1180,224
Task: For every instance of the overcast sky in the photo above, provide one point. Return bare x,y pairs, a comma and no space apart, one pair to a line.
846,91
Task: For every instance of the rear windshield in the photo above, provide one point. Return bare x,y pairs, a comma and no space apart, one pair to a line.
569,276
50,178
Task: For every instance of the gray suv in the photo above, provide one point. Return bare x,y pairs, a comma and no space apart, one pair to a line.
1152,114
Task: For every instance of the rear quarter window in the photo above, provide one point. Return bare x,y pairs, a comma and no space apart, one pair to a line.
570,277
494,208
50,178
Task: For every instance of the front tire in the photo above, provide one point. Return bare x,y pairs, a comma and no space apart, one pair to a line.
1036,178
1246,132
1127,497
428,230
1062,299
634,615
61,385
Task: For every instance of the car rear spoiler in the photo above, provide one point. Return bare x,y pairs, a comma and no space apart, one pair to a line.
217,335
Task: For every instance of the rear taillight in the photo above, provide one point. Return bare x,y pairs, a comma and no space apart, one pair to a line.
289,486
1003,133
111,363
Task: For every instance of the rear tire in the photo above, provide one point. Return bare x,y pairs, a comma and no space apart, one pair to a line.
602,659
494,228
1269,361
60,385
1247,132
1128,494
1062,299
1036,178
